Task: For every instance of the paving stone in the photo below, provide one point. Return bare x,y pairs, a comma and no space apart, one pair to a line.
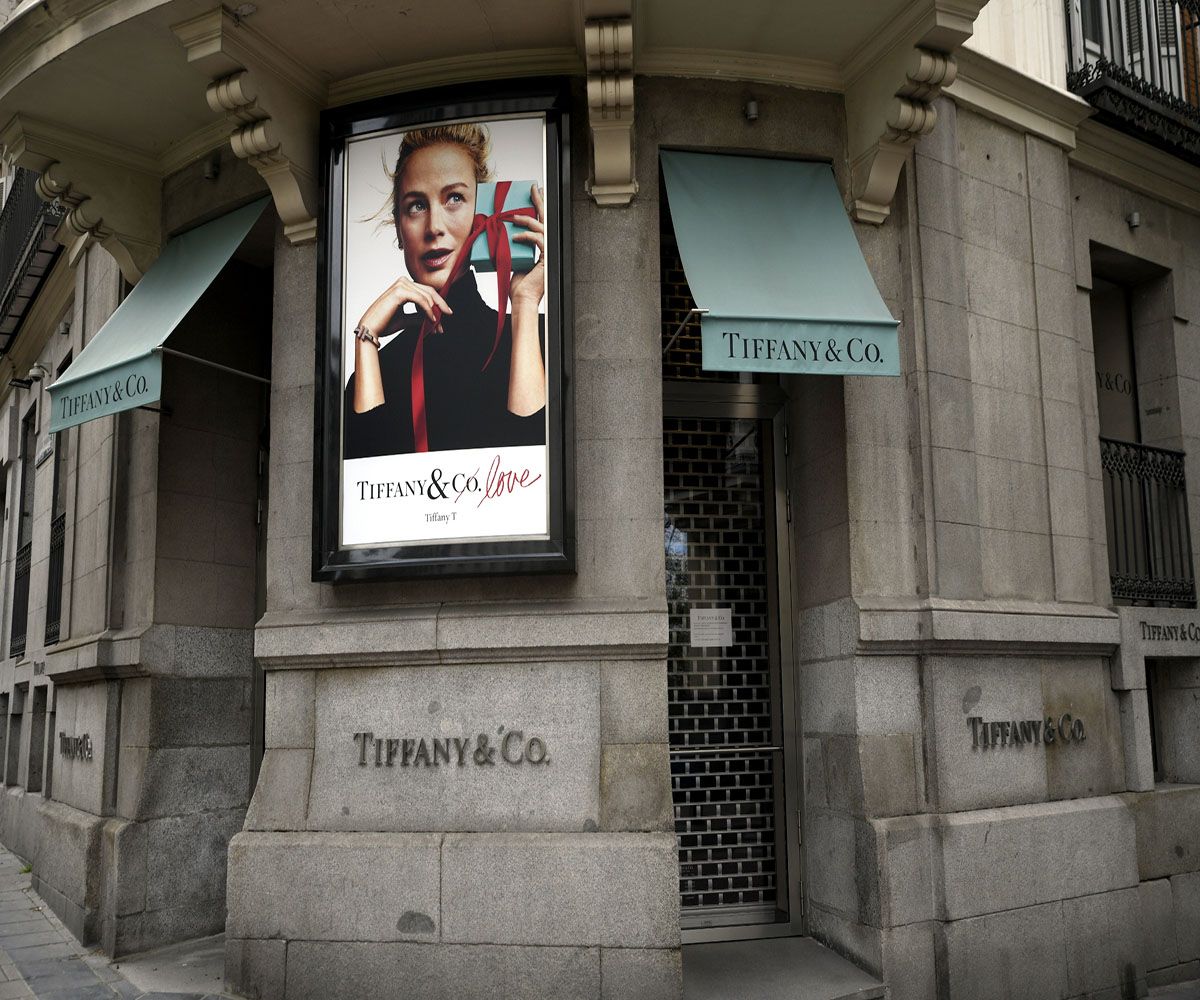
31,939
97,992
33,925
106,973
68,986
41,960
11,916
172,996
58,967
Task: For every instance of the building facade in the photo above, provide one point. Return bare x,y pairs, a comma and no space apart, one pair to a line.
944,718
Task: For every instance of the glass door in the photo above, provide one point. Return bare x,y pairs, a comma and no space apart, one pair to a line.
728,731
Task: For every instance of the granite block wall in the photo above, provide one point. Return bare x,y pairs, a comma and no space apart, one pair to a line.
947,865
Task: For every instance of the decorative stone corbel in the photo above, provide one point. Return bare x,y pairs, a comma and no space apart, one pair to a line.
272,105
608,45
889,104
108,194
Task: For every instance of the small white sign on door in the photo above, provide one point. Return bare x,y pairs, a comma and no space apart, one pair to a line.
711,627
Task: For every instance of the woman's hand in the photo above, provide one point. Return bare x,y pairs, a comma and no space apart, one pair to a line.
527,372
368,382
402,291
528,289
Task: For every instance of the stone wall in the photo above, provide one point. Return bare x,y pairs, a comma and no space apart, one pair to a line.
948,867
582,856
154,663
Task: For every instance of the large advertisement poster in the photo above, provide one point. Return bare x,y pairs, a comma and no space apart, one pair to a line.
446,338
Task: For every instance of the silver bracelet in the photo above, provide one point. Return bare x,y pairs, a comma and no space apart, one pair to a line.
362,333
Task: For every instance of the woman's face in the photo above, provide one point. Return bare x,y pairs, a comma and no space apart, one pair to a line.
436,197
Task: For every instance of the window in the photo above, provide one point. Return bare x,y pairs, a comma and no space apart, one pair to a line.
1145,491
1173,696
13,756
20,604
37,740
58,533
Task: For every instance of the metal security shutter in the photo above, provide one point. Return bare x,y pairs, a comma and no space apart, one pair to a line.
725,759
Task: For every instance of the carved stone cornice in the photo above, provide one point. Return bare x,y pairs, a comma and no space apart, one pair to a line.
1006,94
109,194
271,104
608,49
889,102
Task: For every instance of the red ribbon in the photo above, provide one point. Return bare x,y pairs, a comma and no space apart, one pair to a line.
501,252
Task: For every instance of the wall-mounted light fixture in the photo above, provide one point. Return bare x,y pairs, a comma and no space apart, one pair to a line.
1133,220
751,110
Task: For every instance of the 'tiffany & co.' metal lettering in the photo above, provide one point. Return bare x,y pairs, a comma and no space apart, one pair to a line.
987,734
509,746
75,747
1181,632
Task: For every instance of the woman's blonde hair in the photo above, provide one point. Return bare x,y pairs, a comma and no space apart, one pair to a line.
471,136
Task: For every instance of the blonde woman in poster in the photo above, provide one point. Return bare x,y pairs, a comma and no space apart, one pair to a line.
458,374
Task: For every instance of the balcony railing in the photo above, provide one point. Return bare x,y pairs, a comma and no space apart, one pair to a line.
27,250
1149,540
20,605
54,592
1138,63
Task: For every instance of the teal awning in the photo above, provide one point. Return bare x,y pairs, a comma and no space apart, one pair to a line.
121,366
775,269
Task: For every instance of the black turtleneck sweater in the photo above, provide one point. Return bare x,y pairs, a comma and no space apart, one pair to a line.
465,406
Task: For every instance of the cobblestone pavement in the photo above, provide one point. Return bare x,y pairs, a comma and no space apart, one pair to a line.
39,958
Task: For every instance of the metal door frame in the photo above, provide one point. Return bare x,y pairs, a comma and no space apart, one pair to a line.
766,402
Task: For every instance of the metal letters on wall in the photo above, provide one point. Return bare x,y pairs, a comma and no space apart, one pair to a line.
75,747
512,746
987,734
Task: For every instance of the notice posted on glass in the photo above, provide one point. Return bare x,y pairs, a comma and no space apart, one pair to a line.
711,627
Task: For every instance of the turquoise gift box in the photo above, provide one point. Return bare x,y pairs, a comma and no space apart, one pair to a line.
524,255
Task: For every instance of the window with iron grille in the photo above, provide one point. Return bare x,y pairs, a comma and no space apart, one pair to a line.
20,605
58,533
1144,487
1135,61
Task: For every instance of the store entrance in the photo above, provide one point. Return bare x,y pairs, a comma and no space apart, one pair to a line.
732,739
734,749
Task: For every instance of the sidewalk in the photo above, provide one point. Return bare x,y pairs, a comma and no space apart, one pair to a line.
1180,991
40,960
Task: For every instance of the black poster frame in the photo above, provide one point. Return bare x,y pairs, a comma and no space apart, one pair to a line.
553,554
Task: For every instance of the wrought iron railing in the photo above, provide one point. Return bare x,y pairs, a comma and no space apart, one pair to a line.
1138,63
1146,510
20,605
27,248
54,592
